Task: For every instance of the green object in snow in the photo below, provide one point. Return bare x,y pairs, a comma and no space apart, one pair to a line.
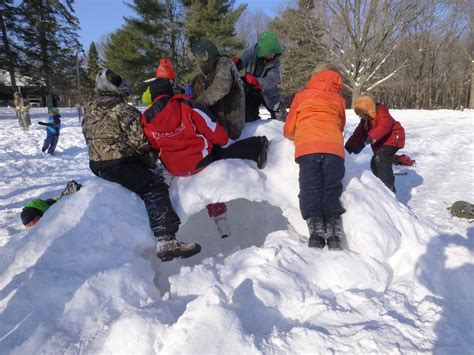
462,209
39,204
268,44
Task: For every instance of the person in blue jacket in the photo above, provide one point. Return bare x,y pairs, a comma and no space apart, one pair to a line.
53,126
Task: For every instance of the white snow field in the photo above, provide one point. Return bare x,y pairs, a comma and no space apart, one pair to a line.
85,279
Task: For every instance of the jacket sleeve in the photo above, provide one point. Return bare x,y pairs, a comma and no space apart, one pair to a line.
290,124
384,124
355,143
129,120
245,58
221,85
212,130
272,77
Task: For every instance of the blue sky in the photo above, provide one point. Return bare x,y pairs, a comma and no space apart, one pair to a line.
100,17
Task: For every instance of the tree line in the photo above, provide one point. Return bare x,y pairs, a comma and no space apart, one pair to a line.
408,54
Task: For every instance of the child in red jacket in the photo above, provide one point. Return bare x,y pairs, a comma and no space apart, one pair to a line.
382,132
189,138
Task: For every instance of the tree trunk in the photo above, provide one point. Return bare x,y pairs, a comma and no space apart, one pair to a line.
471,95
6,45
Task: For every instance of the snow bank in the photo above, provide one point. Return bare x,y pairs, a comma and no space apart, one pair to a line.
83,280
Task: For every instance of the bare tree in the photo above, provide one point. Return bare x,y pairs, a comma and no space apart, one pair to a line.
363,34
251,24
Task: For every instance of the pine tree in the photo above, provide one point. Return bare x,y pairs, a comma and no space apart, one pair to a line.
93,62
10,32
51,43
215,20
301,34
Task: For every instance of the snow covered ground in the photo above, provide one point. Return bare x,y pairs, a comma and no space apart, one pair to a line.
85,279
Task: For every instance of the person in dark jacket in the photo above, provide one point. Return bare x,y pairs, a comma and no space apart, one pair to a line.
261,65
189,138
120,152
385,135
223,94
53,127
36,208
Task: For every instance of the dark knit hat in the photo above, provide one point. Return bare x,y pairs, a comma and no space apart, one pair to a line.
204,45
29,213
160,86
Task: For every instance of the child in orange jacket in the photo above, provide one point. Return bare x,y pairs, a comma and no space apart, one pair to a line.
316,123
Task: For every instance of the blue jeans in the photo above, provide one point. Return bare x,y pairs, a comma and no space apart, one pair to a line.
50,143
320,185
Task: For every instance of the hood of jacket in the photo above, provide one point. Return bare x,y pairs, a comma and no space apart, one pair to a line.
268,44
326,80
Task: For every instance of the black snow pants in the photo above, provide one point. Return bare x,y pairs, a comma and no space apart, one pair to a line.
135,176
248,148
381,165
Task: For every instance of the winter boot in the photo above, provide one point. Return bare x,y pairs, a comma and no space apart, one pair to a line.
334,232
167,250
316,232
71,187
262,157
222,225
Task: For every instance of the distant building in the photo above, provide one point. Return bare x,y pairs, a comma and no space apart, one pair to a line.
32,89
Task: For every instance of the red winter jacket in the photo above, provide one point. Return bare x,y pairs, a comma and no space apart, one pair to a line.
383,130
182,131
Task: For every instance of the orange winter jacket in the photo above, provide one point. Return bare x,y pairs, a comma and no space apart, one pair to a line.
317,116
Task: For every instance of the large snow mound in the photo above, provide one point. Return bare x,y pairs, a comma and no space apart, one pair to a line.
85,279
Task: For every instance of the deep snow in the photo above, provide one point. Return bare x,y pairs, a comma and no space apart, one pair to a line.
85,279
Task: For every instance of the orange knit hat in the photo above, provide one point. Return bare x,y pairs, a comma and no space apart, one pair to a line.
365,105
165,69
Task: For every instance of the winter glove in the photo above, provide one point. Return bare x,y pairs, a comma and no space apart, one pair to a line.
42,123
354,147
252,81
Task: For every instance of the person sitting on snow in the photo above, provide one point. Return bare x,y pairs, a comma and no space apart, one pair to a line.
53,126
189,138
164,71
120,152
315,123
223,94
261,65
34,210
385,135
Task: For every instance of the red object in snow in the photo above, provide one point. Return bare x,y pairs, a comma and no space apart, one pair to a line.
403,159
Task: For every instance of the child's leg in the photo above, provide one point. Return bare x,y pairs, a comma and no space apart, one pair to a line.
311,185
310,197
333,172
252,148
54,142
384,165
47,142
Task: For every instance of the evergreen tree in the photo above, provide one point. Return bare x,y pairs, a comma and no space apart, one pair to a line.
301,35
135,49
216,20
51,43
10,31
93,62
124,55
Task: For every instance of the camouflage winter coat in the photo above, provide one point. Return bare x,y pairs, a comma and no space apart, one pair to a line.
112,130
224,96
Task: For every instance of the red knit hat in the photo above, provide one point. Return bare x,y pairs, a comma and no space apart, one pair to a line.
165,69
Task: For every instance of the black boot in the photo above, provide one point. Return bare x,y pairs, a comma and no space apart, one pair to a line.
165,223
334,232
316,232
